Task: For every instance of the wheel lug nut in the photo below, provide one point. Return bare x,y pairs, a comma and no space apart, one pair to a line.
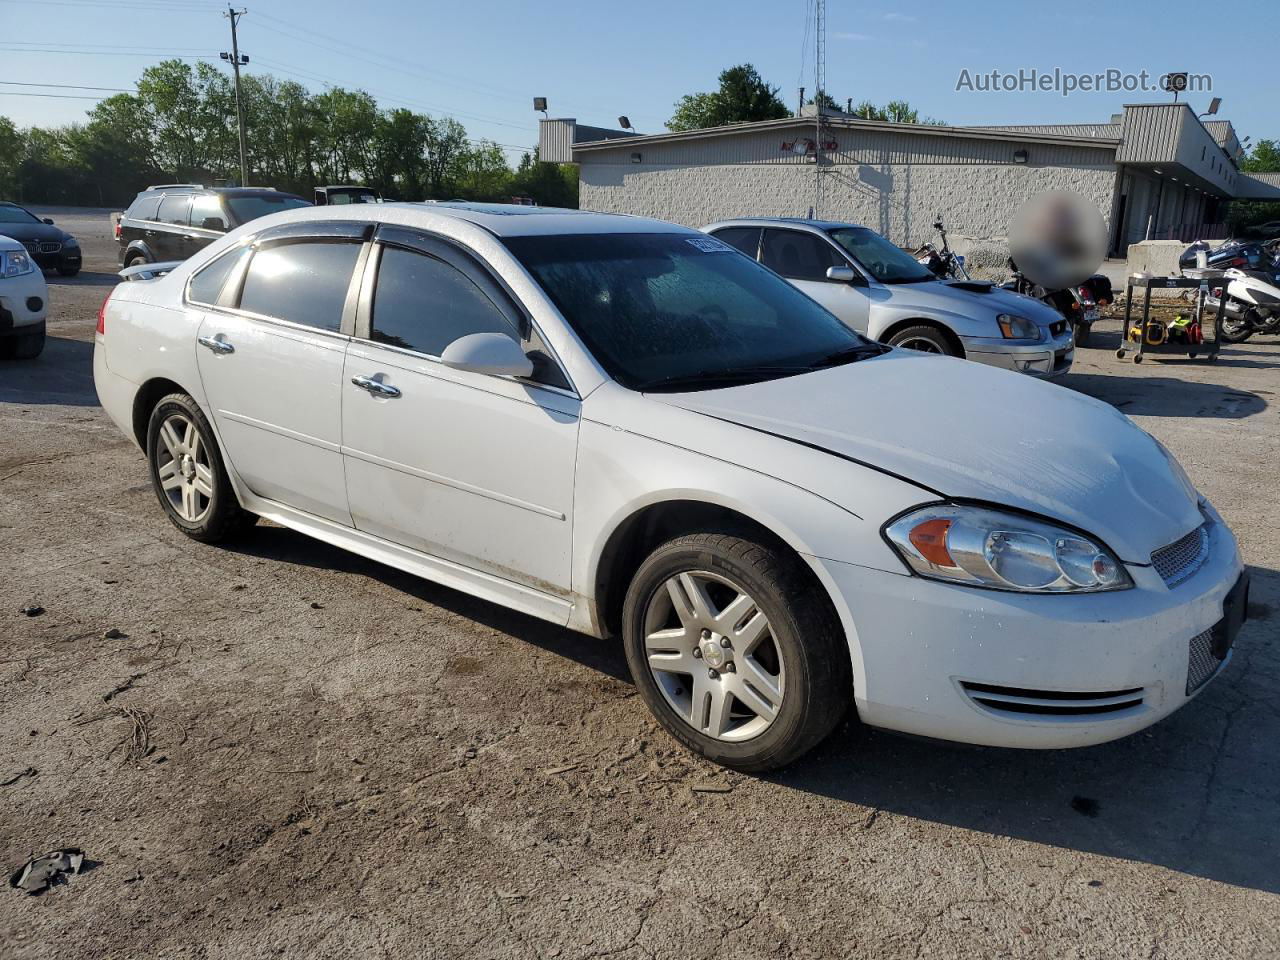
724,642
697,652
729,667
706,634
714,675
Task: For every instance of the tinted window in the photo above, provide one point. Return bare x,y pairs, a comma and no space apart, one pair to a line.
884,261
205,206
144,208
423,304
746,239
174,209
10,214
799,256
301,282
207,284
658,307
252,206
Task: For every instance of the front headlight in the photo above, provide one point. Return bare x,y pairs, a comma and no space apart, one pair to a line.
70,241
1017,328
15,264
982,547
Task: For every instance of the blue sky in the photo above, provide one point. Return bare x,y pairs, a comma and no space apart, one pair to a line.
483,60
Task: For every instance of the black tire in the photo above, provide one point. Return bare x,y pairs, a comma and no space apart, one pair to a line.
1238,333
136,259
68,271
26,346
804,630
925,338
1084,332
223,518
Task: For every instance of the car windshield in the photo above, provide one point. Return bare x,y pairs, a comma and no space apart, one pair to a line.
879,257
16,215
251,206
671,311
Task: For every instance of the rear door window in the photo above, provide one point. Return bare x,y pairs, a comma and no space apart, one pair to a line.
206,207
424,304
304,282
746,239
173,209
799,256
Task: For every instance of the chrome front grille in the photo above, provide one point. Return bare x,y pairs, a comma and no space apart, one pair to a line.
1182,558
43,246
1203,662
1051,703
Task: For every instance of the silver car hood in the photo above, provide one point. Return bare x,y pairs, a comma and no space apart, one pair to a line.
934,296
963,430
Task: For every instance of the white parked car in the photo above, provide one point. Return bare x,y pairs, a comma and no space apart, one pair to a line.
24,301
625,427
883,293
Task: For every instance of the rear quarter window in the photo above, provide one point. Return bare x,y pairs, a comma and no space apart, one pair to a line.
206,285
144,208
174,209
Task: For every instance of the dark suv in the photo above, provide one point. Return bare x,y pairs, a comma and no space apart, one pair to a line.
173,221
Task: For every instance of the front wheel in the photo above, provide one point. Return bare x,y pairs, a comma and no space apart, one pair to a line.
735,651
188,475
925,338
1084,331
68,271
1237,329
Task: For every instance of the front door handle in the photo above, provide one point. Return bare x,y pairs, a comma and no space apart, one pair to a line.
376,387
216,345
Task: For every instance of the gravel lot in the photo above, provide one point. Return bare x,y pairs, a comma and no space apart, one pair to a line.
348,762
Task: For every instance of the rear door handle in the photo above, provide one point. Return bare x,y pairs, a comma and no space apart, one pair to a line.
376,387
216,345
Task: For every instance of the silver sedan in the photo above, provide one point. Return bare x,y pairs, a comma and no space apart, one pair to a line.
881,292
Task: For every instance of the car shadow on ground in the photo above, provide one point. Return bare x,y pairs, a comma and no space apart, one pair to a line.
1167,396
1196,793
61,375
85,278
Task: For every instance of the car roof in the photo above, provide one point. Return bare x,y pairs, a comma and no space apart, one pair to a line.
788,221
221,191
499,219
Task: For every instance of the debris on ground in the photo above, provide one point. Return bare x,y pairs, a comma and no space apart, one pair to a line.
116,691
553,771
711,788
40,873
33,611
29,772
114,634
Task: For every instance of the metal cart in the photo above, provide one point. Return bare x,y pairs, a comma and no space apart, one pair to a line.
1196,280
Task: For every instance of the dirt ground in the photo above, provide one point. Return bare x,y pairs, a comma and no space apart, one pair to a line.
285,750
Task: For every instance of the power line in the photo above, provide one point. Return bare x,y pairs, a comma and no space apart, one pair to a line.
49,96
107,53
62,86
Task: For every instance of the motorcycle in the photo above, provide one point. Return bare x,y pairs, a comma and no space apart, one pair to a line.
1250,281
1078,305
942,262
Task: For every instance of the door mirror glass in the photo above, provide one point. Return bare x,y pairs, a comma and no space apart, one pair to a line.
493,353
214,223
48,220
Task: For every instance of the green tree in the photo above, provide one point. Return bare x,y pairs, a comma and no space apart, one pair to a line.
446,145
547,184
11,153
895,111
1263,158
743,96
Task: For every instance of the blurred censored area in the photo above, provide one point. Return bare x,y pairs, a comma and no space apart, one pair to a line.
1058,239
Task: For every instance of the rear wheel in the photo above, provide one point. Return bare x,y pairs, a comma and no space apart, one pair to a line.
1237,329
925,338
136,260
1083,333
735,651
188,475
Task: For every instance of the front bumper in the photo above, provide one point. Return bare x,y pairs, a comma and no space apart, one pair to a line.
64,258
923,645
1047,359
24,302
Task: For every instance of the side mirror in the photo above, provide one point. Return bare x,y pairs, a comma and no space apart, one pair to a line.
48,220
214,223
493,353
846,275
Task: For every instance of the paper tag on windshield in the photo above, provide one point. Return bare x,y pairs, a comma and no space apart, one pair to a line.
709,244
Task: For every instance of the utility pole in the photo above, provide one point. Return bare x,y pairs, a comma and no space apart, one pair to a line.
820,91
237,60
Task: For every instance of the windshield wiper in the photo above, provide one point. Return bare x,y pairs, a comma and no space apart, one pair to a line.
723,378
851,355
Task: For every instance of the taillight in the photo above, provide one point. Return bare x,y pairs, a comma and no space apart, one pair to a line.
1237,262
119,231
102,315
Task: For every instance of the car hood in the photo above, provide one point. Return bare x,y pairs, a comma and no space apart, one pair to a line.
966,431
22,232
936,296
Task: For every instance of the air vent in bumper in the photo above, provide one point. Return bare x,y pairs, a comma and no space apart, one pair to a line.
1182,558
1203,662
1026,704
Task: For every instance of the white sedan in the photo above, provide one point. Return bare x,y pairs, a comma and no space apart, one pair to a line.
24,301
625,427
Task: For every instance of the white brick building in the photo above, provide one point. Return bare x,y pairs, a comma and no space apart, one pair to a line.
1154,166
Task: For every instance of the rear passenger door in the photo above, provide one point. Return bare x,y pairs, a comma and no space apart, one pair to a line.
271,349
172,224
803,258
207,221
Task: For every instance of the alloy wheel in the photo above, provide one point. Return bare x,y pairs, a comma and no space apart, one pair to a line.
712,654
921,344
183,468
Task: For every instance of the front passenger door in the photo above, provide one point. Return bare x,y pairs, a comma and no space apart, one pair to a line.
472,468
803,258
